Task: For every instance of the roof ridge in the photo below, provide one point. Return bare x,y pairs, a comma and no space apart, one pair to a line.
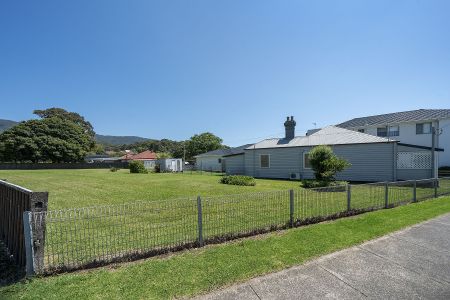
397,117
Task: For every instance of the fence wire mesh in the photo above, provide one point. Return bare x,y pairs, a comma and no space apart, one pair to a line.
77,237
87,237
235,215
310,204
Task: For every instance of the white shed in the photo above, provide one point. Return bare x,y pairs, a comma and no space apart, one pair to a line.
170,164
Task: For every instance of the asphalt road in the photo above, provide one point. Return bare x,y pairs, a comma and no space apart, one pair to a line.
410,264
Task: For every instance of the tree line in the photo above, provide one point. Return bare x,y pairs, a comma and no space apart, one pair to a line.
62,136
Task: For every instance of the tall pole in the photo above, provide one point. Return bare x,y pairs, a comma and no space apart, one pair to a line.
433,155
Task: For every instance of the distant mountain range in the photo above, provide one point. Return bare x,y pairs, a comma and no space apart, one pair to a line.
6,124
118,140
102,139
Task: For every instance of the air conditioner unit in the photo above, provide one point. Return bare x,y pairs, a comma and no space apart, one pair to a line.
295,176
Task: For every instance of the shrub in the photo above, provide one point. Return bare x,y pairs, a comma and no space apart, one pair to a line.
238,180
310,184
137,166
114,169
157,168
325,163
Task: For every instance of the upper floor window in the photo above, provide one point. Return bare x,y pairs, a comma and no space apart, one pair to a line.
423,128
362,130
388,131
394,130
382,131
219,160
264,160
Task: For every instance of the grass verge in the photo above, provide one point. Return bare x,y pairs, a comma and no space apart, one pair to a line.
206,269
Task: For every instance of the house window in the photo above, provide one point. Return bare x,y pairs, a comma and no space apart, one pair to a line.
306,162
394,130
388,131
362,130
219,160
264,161
423,128
382,131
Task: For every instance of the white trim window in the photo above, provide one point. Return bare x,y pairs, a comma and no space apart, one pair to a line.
394,130
382,131
264,161
423,128
306,163
388,131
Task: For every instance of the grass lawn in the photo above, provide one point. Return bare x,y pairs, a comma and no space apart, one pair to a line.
202,270
78,237
81,188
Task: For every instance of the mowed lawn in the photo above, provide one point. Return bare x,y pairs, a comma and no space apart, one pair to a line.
81,188
78,237
202,270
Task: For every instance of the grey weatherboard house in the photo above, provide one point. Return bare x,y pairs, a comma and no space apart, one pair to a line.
372,158
213,161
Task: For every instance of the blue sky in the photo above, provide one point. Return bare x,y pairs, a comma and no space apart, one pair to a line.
170,69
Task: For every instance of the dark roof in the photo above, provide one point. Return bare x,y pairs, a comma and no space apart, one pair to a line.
225,152
398,117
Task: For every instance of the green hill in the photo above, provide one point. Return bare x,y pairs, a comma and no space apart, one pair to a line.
102,139
118,140
6,124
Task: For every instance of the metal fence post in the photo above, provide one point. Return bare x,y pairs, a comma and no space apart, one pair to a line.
291,208
386,194
349,197
436,183
200,221
415,191
28,237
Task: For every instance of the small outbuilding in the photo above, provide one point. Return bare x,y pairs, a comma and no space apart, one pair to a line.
170,164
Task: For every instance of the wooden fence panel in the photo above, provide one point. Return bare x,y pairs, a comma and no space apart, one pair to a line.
14,200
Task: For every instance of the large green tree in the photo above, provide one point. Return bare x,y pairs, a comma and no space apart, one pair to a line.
201,143
64,114
51,139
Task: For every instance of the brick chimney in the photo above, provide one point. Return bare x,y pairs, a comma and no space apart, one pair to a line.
289,126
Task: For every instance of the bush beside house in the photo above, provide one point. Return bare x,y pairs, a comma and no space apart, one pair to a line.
325,165
137,166
238,180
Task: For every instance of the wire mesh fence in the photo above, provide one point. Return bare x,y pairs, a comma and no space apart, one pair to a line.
92,236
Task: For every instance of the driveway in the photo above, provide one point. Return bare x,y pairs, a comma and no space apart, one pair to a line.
412,263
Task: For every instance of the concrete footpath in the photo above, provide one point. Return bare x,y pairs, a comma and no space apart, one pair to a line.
409,264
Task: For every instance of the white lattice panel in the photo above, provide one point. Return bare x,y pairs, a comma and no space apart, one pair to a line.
413,160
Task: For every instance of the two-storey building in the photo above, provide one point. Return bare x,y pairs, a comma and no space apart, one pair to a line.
410,127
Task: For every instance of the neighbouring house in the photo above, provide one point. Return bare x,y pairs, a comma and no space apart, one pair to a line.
213,161
372,158
128,155
170,164
147,157
96,158
410,127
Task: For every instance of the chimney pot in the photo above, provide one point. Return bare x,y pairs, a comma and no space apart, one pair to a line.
289,126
